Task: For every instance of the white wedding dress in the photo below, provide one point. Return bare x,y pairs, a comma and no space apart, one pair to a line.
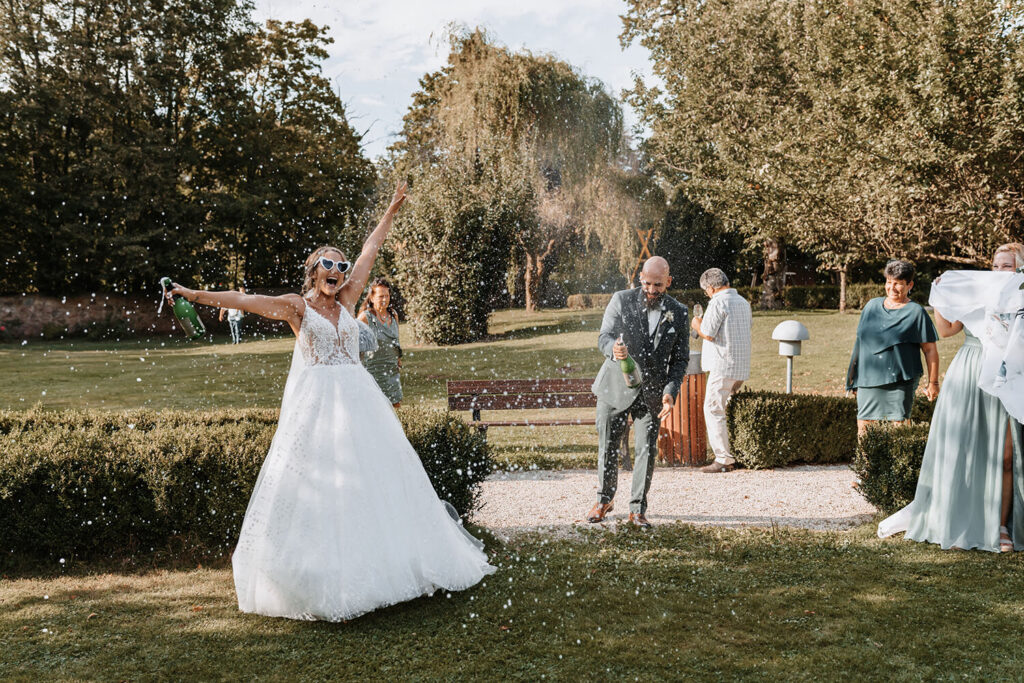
343,518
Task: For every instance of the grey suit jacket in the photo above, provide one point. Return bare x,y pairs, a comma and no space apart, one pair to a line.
662,360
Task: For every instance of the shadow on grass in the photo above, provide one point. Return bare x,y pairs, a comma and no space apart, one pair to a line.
677,601
534,331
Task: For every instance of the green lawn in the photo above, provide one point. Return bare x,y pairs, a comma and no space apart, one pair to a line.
675,602
172,373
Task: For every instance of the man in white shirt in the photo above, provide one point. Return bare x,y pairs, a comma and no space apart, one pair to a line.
725,329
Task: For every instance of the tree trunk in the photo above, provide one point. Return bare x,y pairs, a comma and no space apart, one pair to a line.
774,270
529,285
842,288
533,276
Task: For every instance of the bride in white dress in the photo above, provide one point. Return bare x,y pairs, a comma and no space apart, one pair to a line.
343,518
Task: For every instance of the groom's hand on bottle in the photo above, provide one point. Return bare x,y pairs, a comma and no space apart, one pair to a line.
666,406
619,351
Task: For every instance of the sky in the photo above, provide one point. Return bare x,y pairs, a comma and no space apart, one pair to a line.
382,47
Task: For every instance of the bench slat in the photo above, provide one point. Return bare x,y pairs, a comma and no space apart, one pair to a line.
533,423
521,402
518,386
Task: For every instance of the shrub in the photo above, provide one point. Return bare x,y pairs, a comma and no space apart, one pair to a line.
888,462
89,484
811,296
795,297
588,300
454,251
456,456
922,409
770,429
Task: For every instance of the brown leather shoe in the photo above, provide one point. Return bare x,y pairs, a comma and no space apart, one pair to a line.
716,467
638,519
599,512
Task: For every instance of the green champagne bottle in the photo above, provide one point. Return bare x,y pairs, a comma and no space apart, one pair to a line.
630,371
185,312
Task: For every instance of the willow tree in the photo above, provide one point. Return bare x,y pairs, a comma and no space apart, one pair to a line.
618,204
516,114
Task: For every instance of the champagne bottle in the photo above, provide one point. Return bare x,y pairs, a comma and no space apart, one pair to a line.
630,371
185,312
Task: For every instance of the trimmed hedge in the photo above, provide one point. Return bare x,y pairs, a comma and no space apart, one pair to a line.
795,297
771,429
888,462
90,484
454,454
685,296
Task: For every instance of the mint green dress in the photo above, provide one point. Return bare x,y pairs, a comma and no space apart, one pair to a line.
959,491
885,366
382,364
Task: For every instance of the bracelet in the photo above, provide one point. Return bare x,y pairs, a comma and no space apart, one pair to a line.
935,383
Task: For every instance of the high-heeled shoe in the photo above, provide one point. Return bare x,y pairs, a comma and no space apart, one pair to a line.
1005,543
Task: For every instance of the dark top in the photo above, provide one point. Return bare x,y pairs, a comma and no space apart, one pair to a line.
888,346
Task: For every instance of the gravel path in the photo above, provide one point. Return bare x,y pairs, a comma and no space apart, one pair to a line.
809,497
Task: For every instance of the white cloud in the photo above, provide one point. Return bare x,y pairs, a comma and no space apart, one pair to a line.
382,47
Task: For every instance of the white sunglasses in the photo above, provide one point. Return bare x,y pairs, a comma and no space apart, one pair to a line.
327,263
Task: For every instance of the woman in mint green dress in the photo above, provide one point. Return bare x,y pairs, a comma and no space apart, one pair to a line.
385,363
970,492
885,366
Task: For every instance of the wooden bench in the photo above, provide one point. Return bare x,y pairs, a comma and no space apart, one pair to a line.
682,439
477,395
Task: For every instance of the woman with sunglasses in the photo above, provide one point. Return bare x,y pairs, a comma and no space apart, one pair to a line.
343,518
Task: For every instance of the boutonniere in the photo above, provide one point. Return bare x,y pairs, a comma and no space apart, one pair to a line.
668,317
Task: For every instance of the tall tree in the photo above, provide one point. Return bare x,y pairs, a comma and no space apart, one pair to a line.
282,168
130,125
855,130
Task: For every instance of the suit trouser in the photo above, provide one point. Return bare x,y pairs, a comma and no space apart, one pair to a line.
610,425
716,396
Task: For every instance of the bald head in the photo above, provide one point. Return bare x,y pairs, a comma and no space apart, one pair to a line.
656,266
655,280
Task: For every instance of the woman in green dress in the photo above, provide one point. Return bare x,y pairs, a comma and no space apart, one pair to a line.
385,363
885,367
970,493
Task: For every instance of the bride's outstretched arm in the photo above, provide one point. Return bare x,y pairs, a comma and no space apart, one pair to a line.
288,307
364,264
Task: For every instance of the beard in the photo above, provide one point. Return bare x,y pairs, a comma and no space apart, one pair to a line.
654,302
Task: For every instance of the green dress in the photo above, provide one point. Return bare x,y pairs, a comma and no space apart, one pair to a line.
959,491
383,363
885,366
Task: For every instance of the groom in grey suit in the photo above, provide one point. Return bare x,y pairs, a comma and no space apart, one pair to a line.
655,332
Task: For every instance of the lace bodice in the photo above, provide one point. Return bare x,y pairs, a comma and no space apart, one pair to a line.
321,343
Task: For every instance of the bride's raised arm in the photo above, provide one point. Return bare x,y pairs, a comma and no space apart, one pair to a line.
364,264
288,307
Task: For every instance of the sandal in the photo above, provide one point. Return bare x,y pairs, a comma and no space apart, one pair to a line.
1005,543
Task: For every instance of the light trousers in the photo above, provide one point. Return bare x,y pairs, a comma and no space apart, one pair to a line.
716,396
611,425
